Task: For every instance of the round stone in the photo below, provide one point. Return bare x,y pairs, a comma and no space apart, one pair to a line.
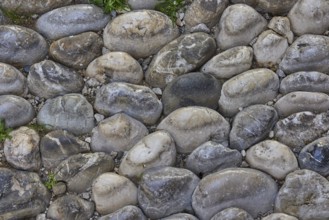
232,214
281,25
128,212
269,6
279,216
12,81
180,216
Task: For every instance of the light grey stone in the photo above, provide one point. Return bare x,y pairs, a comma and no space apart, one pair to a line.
59,188
232,214
281,25
143,4
128,212
180,216
279,216
12,81
276,7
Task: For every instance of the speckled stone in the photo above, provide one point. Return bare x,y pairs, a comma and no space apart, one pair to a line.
128,212
281,25
232,214
12,81
270,6
279,216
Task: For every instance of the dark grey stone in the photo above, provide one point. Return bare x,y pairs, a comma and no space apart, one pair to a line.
232,214
180,216
126,213
12,81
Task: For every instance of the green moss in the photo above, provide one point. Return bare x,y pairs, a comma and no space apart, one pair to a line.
170,8
4,132
51,181
111,5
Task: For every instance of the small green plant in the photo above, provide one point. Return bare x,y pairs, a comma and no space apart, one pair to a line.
4,132
41,129
51,181
111,5
170,8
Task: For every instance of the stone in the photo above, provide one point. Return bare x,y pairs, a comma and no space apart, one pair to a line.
111,192
301,128
314,156
305,81
269,6
180,216
256,86
71,20
307,53
279,216
166,190
23,195
128,212
3,19
22,149
71,112
154,150
192,126
12,81
115,67
192,89
139,33
229,63
79,170
252,125
304,195
210,157
232,214
302,101
15,111
281,25
49,79
59,145
70,207
309,17
236,32
59,188
77,51
182,55
247,189
273,158
139,102
143,4
21,46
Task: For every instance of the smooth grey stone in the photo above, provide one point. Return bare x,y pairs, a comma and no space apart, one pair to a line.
115,67
307,53
143,4
232,214
23,195
58,145
269,6
180,216
309,17
183,55
212,156
279,216
21,46
235,31
314,156
48,79
77,51
192,89
223,189
126,213
139,33
80,170
304,195
281,25
166,190
12,81
22,149
71,20
139,102
273,158
192,126
70,207
305,81
71,112
301,128
229,63
256,86
252,125
15,111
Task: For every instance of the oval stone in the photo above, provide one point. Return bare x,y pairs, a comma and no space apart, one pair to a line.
281,25
223,189
232,214
180,216
12,81
71,20
128,212
21,46
269,6
142,4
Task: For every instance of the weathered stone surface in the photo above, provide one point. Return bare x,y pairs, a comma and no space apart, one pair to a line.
279,216
235,31
281,25
80,170
229,63
192,89
212,156
180,56
22,194
232,214
77,51
12,81
71,112
304,194
270,6
70,207
21,46
166,190
309,17
58,145
115,67
143,4
180,216
111,192
139,33
71,20
273,158
139,102
252,125
128,212
248,189
15,111
48,79
307,53
256,86
192,126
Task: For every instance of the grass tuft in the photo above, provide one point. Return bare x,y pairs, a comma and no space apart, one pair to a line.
4,132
